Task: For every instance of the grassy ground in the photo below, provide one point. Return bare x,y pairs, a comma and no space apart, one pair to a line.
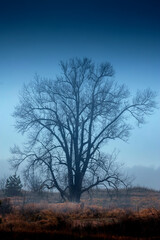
87,220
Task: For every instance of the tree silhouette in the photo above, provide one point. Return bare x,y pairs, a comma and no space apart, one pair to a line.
13,186
70,118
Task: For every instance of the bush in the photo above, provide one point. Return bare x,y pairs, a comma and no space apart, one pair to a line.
5,206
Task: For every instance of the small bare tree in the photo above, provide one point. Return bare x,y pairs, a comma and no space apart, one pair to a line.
69,119
33,182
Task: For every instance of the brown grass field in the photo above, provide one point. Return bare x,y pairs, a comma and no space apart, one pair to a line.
129,215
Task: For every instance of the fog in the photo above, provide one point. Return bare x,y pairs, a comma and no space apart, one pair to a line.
145,176
36,35
142,176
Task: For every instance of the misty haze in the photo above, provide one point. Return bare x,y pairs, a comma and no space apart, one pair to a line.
79,146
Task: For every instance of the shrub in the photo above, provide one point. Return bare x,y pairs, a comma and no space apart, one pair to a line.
5,206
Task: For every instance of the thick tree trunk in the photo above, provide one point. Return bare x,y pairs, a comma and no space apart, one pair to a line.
75,195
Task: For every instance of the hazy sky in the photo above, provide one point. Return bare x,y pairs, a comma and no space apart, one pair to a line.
36,35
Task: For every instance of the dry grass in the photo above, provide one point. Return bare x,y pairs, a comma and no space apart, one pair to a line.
80,221
90,222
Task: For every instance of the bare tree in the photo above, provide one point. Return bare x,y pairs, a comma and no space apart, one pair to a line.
69,119
33,181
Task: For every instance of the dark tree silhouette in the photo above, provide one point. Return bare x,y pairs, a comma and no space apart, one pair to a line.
69,119
13,186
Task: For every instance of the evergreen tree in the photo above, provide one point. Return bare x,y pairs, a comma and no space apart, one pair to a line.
13,186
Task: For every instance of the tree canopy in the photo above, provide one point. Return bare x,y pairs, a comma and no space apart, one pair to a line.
70,118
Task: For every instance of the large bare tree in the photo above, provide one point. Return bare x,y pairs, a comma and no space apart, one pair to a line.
69,119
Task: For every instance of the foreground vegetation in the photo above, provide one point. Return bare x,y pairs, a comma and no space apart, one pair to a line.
80,221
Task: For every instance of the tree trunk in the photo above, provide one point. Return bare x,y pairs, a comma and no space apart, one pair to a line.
75,194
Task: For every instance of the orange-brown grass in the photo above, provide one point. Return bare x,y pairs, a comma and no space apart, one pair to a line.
130,215
74,221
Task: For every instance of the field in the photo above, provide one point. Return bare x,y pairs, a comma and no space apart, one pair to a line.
129,215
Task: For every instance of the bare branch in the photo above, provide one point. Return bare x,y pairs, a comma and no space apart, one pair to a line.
69,119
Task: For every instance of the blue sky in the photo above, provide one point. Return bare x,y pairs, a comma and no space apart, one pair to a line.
36,35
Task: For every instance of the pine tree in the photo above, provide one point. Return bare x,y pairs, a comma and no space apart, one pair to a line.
13,186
